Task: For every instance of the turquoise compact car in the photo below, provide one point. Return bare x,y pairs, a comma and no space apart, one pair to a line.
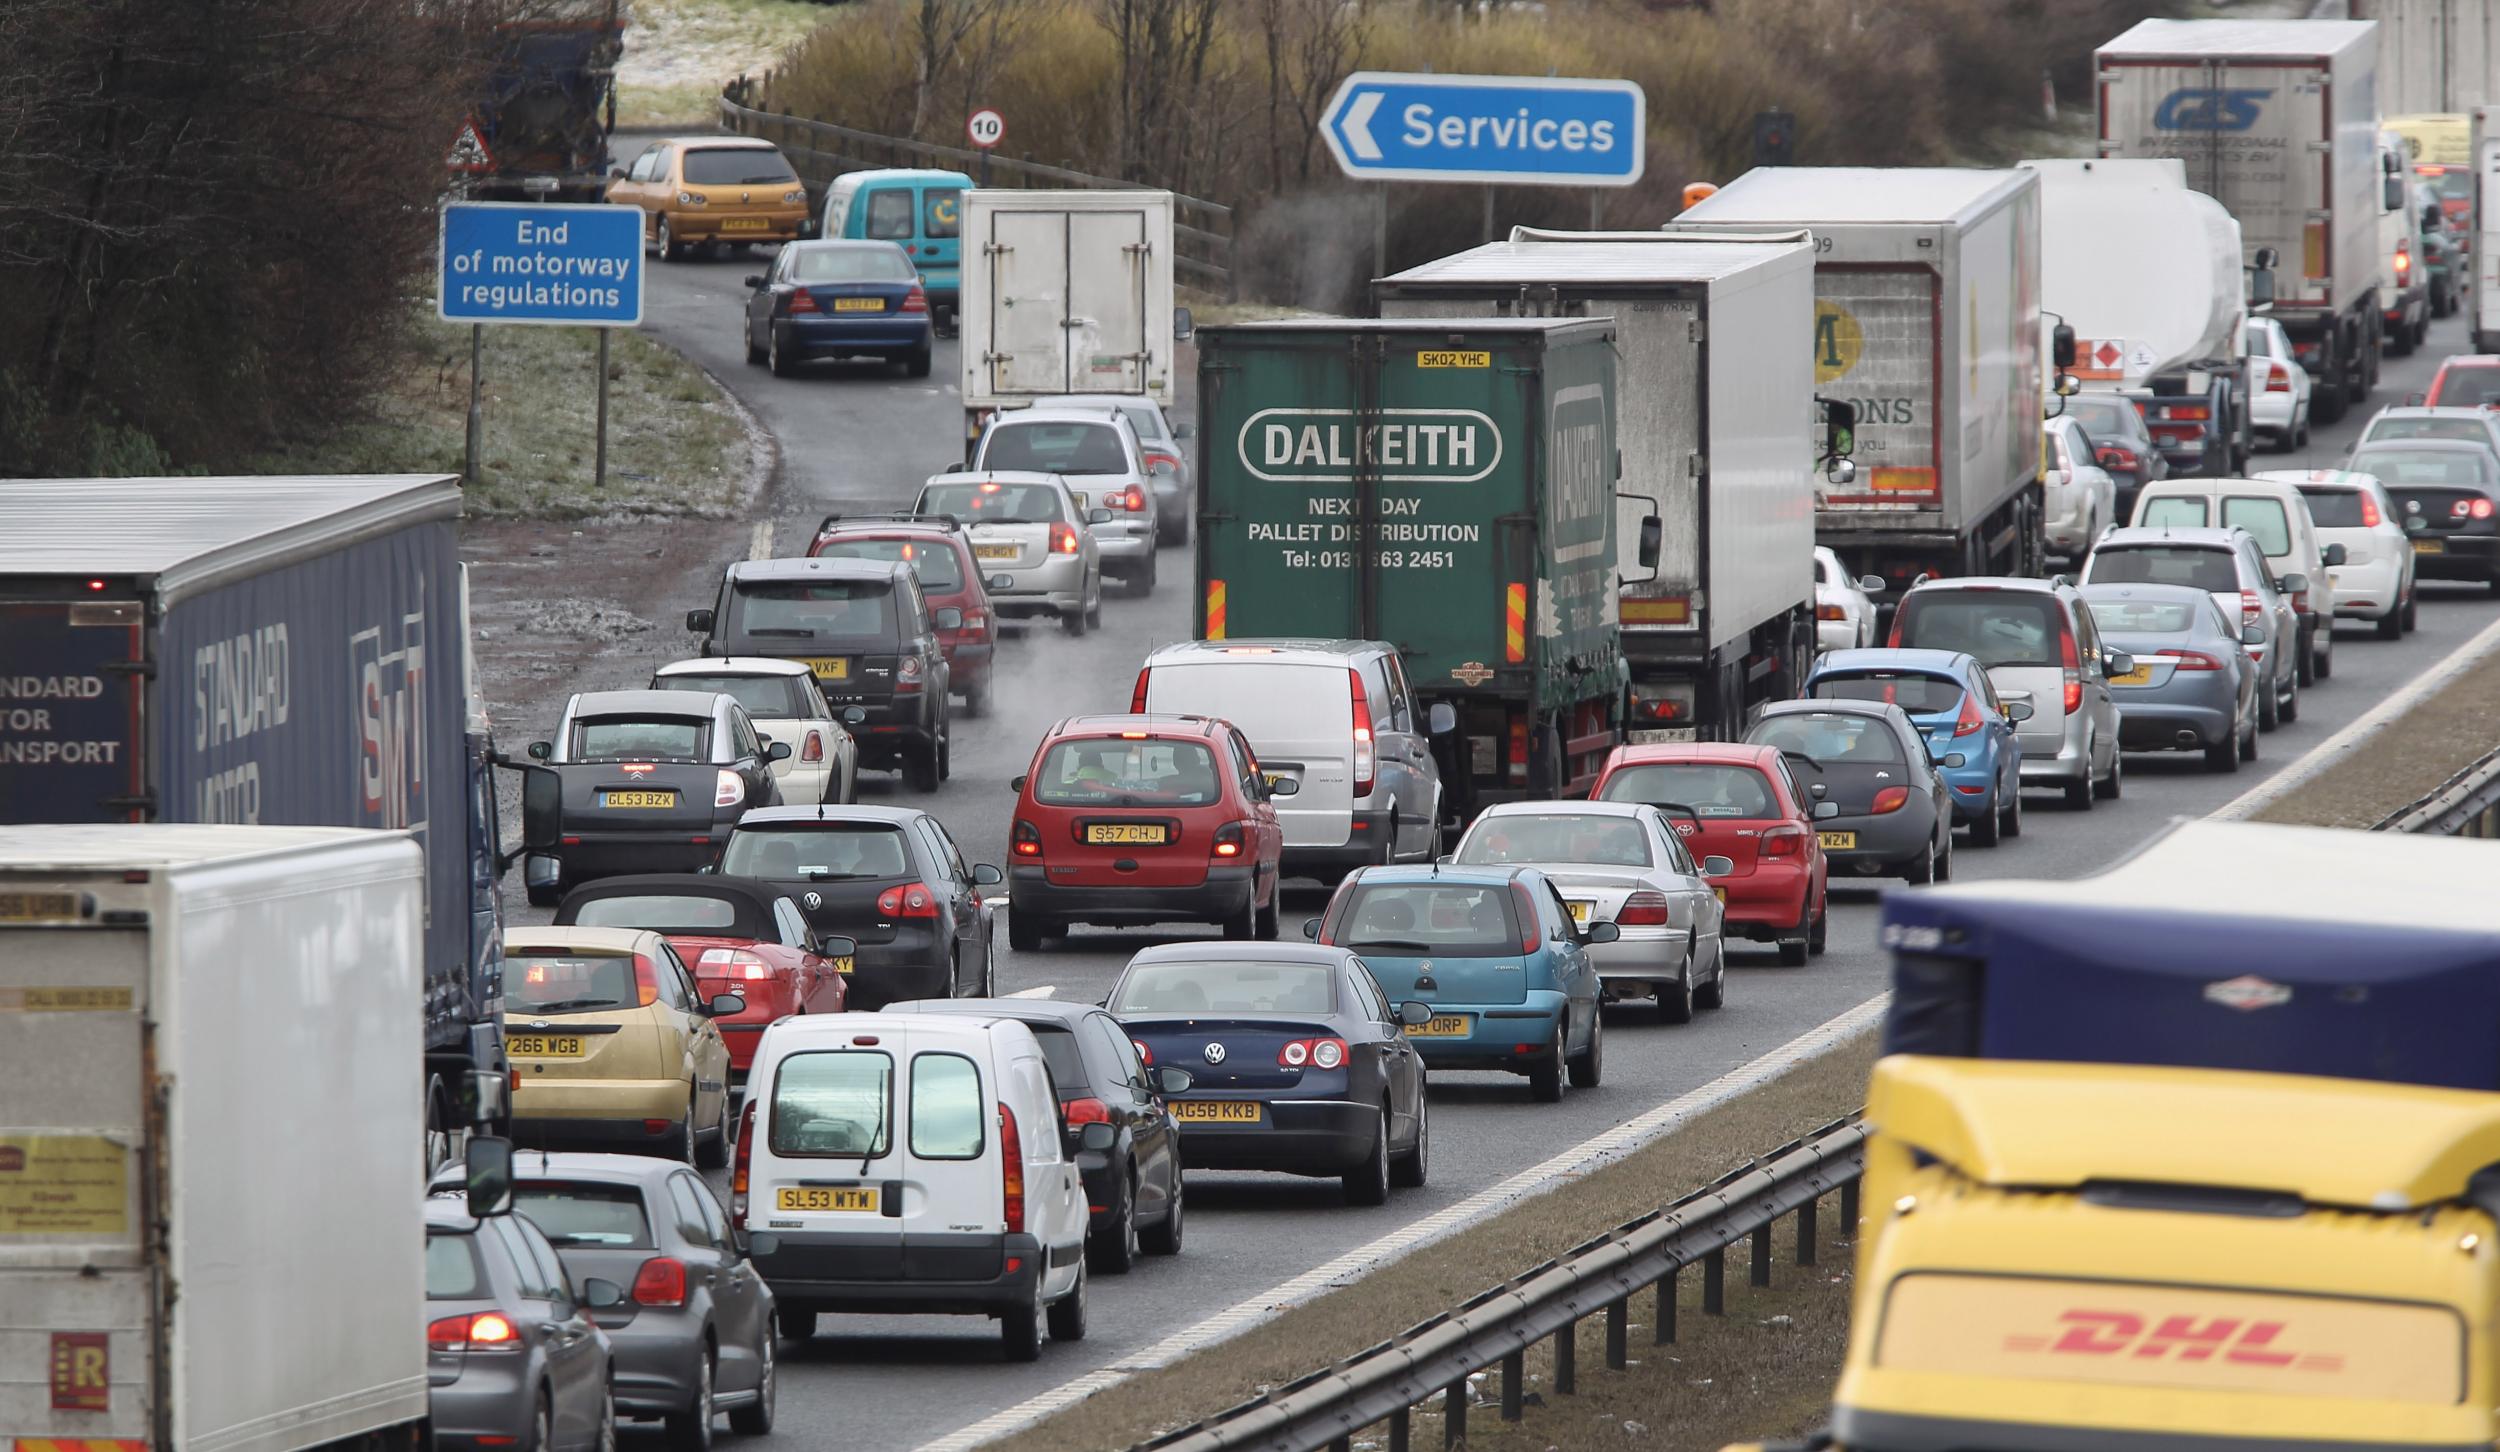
1495,953
921,212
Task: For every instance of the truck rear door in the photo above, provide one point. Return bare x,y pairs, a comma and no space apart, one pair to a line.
79,1336
1875,345
2254,137
70,719
1067,301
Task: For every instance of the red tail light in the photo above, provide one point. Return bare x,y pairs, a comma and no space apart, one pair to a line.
916,300
1970,720
2278,378
2191,411
1644,910
802,301
2369,510
1063,539
1229,841
2114,457
732,963
2252,609
660,1282
1132,499
2404,260
1784,840
1028,840
1145,1055
1529,940
1518,748
2300,601
2073,667
1011,1169
2482,509
1364,764
2193,660
908,673
1313,1053
1891,799
1137,697
482,1331
912,900
1085,1111
744,1165
1162,456
1830,612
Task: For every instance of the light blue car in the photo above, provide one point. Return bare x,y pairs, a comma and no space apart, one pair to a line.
1948,697
1493,950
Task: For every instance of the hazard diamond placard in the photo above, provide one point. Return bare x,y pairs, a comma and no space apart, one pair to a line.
468,150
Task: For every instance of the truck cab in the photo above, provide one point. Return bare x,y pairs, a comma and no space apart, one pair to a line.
2404,280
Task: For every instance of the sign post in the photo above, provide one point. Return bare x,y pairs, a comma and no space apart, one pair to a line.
986,128
550,264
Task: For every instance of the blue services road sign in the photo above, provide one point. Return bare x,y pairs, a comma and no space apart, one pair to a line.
1511,130
527,262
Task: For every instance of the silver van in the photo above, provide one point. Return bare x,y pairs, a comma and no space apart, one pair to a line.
1339,718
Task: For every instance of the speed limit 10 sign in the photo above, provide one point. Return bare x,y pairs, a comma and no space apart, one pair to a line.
986,128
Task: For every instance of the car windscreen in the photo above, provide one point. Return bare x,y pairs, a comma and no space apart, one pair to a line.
2173,511
1227,987
1582,837
1710,789
2469,427
2142,617
451,1269
1997,627
2265,519
538,981
1830,738
1147,422
2335,508
851,264
1450,919
816,851
1112,771
994,502
834,1104
570,1214
2199,567
2465,387
1066,446
660,913
1917,694
813,610
640,738
1272,701
766,698
2401,465
940,570
732,166
2102,416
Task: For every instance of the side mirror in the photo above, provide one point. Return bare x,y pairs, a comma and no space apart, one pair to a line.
962,467
778,751
1721,866
1606,932
2394,200
833,945
1016,784
616,173
1950,759
2293,584
542,807
950,618
1825,811
2062,346
1441,720
2336,555
1283,786
1163,466
2018,711
1098,516
1414,1013
854,715
984,875
542,750
1310,929
1183,325
600,1294
2116,662
488,1176
755,279
2252,635
1170,1080
1000,582
724,1005
1184,430
1097,1137
698,622
1871,584
1653,542
2068,385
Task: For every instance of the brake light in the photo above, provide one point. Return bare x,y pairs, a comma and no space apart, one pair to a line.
1317,1053
2482,509
1529,941
1132,499
2300,601
916,300
911,900
1229,840
814,749
731,963
1145,1055
2252,609
1891,799
1364,764
1645,910
2196,411
1785,840
801,301
907,673
1027,840
2114,457
481,1331
2073,667
660,1282
2404,260
1011,1169
2278,378
1085,1111
1137,697
1970,720
730,790
744,1164
2369,510
1063,539
1518,748
1830,612
2192,660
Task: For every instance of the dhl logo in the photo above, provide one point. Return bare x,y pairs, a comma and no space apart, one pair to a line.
2181,1338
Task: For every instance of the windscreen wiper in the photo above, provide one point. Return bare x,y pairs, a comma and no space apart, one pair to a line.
563,1005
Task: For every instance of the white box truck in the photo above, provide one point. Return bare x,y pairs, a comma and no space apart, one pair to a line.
2146,270
212,1224
2434,56
1064,292
2278,121
1718,435
2483,304
1927,318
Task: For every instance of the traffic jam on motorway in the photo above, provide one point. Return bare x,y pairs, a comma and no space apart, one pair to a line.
1857,519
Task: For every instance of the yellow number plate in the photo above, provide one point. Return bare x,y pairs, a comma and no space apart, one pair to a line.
1580,911
994,552
1721,892
638,799
2428,546
861,1199
859,305
1217,1111
2135,677
831,668
1841,840
38,907
1440,1026
744,224
1151,834
841,965
545,1046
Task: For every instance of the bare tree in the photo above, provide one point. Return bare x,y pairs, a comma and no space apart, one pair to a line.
939,30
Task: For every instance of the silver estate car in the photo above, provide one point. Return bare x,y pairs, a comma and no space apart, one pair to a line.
1035,547
1097,453
2194,686
2040,647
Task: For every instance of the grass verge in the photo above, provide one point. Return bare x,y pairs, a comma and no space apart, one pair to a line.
678,52
676,445
2439,737
1433,1279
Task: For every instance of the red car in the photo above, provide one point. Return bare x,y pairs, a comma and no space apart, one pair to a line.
1748,808
738,935
950,579
1144,819
2468,380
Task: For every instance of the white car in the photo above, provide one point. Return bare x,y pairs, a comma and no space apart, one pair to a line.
2078,497
2375,581
1844,615
785,703
2413,421
2278,387
1099,455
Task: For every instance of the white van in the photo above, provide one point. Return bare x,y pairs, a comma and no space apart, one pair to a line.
906,1164
1335,715
2276,515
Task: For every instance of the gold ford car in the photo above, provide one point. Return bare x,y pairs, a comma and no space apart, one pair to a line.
614,1044
695,190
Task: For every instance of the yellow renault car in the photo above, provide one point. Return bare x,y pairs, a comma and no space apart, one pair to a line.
614,1045
700,189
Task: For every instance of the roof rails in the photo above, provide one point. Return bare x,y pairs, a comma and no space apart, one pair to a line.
900,516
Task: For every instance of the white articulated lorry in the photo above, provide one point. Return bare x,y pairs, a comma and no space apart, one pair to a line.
2482,318
1064,292
2278,121
2147,272
1927,318
1718,436
212,1226
2434,56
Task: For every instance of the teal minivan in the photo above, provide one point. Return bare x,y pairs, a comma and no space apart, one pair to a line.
919,211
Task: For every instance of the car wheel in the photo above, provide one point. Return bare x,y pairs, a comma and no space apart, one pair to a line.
1922,868
2010,808
1822,933
1588,1068
1263,925
917,365
1944,857
2079,793
1164,1238
2291,705
1795,946
1368,1183
1074,621
945,746
2300,432
1024,935
2224,756
1067,1314
1985,829
1545,1080
1675,995
2248,743
682,1145
1112,1249
1410,1170
1243,926
714,1154
691,1429
2108,788
668,248
2269,705
607,1420
756,356
977,703
2326,648
2391,626
1154,571
542,1426
794,1323
2308,661
755,1419
921,771
1093,612
1020,1330
1713,994
2412,597
782,364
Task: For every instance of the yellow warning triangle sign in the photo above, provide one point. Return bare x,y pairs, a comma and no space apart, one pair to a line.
468,150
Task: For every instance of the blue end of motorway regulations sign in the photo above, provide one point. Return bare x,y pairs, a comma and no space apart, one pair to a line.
1509,130
527,262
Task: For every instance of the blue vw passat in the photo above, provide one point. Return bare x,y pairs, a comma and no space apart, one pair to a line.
1948,697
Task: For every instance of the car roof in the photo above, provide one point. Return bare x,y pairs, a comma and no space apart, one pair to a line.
531,1164
1236,952
1468,876
915,174
810,567
1574,806
691,705
1160,722
614,940
1701,753
2195,536
847,244
1023,1010
829,812
1050,413
2174,594
1276,649
846,1026
715,140
731,665
2200,487
2017,583
744,890
1898,657
1811,707
2428,410
1067,402
2325,478
994,476
2445,446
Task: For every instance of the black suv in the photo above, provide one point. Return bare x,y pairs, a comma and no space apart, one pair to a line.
865,630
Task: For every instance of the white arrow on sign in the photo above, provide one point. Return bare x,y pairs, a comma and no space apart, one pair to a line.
1358,125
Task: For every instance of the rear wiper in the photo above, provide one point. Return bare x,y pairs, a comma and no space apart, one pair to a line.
843,876
563,1004
778,630
1416,943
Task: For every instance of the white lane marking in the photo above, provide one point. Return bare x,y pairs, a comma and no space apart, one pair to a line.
2378,718
760,544
1591,1154
1045,991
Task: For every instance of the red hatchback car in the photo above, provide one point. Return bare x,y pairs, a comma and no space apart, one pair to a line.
1750,812
2468,380
950,579
1144,819
738,935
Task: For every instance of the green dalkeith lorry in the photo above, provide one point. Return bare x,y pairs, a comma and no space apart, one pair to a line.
1445,485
